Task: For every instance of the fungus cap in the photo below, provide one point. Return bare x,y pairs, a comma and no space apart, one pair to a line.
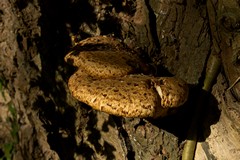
128,96
104,81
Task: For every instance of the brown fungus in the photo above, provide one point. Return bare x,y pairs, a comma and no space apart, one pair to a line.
129,96
105,80
106,64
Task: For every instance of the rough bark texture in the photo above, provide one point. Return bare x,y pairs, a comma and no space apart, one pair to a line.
39,119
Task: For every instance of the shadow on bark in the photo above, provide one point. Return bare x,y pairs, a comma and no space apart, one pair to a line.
179,123
57,115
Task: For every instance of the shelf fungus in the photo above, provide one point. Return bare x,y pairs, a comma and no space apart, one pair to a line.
108,81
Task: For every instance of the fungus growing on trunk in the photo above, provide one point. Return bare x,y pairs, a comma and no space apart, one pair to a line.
109,81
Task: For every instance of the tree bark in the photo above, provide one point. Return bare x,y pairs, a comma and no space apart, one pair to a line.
173,36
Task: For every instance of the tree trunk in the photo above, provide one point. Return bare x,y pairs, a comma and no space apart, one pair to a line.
39,119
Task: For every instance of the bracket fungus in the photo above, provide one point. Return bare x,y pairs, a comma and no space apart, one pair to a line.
108,81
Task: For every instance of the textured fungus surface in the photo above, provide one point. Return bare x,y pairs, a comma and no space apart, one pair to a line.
108,80
129,96
105,64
